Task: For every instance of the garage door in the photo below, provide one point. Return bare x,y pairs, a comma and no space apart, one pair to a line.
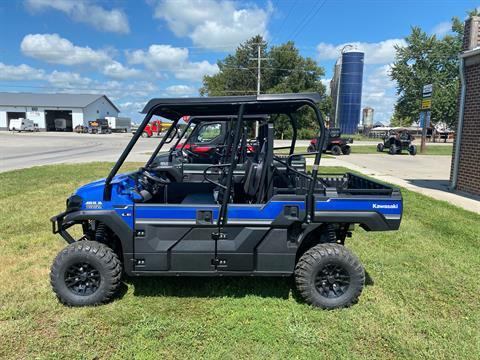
58,120
14,115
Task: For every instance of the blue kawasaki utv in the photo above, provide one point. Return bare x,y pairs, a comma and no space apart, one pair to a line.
245,212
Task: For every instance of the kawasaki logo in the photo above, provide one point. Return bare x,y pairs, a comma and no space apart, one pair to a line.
385,206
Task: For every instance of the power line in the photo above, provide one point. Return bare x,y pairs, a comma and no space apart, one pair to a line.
67,88
308,19
294,2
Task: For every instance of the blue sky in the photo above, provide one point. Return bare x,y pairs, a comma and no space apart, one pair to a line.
136,50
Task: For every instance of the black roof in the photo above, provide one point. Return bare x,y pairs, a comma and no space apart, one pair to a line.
173,108
204,118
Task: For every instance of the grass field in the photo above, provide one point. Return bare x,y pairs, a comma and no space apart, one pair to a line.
422,299
431,150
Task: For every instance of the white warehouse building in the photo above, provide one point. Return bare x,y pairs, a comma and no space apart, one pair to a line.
43,109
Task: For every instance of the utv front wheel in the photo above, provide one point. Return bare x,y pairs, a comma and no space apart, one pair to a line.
336,150
329,276
346,150
86,273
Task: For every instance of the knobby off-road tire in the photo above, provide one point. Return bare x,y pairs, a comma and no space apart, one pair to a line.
336,150
380,147
346,150
412,150
329,276
86,273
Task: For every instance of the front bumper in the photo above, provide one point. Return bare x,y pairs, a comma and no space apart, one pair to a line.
60,227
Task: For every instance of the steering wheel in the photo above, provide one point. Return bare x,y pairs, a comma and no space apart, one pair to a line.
190,153
154,178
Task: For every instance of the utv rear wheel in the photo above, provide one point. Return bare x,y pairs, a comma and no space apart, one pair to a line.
412,150
336,150
346,150
329,276
86,273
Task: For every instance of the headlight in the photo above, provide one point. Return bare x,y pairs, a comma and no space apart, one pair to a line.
74,203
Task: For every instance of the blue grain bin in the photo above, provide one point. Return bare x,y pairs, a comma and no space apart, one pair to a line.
350,93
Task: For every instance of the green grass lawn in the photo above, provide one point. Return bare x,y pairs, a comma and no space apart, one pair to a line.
422,299
431,150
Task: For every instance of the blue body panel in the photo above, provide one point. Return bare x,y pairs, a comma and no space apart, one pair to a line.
122,203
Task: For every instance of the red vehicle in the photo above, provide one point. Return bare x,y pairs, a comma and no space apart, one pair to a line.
335,143
204,143
153,128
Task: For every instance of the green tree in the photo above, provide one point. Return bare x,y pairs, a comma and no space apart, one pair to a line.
426,59
284,70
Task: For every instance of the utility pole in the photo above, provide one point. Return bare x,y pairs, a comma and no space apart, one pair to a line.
259,75
259,65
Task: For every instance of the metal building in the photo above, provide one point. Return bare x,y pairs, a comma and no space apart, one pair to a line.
54,111
347,90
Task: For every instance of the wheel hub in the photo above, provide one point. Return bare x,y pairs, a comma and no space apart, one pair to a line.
332,281
82,279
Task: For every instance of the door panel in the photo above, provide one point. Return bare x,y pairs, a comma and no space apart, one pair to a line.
174,237
236,252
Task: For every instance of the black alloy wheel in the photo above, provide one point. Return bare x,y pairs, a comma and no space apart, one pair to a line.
82,279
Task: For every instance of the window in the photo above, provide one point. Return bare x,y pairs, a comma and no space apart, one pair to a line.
209,132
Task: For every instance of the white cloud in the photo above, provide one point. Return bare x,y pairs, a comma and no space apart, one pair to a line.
54,49
115,70
158,57
375,53
195,71
181,90
216,25
132,106
326,83
85,11
65,80
379,92
442,29
20,73
162,58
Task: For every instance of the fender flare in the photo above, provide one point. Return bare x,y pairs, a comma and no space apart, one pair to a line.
109,218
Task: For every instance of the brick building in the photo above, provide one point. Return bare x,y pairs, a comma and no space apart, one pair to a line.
465,171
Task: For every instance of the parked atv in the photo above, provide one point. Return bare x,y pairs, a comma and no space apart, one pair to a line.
80,129
336,145
396,141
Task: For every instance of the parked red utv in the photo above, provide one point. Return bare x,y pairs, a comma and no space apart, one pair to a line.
335,143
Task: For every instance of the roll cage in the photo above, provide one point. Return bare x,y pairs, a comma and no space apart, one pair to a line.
237,110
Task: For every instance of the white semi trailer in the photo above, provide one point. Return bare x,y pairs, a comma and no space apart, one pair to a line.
119,124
